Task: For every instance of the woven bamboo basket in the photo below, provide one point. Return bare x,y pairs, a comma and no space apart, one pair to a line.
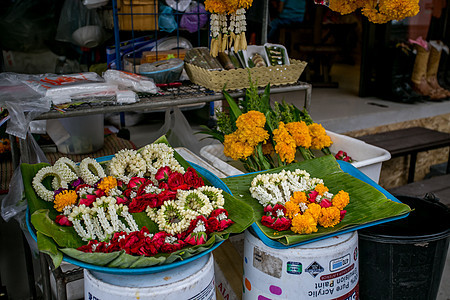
239,78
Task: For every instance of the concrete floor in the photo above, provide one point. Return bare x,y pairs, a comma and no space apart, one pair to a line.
339,110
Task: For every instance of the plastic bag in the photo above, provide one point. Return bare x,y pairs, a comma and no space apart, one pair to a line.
166,19
23,103
178,131
194,18
26,25
14,205
135,82
79,25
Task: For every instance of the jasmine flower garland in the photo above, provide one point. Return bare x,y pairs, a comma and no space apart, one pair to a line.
91,171
67,169
40,189
295,201
160,155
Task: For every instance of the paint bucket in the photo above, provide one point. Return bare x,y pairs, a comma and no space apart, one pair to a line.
326,269
194,280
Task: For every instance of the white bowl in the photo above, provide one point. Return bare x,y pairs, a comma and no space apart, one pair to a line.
88,36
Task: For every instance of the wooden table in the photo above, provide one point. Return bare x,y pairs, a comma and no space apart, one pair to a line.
409,141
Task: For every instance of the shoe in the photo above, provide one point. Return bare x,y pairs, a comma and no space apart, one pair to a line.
433,67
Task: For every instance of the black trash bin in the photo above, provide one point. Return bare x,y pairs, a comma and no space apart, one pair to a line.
404,259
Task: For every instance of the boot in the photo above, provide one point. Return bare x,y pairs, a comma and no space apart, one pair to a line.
418,76
433,67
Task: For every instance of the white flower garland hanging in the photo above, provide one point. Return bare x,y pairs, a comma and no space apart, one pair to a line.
127,164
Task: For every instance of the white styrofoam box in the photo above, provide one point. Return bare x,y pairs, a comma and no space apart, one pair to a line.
192,157
367,158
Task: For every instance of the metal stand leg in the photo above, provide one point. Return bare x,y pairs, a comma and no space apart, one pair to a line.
46,288
412,167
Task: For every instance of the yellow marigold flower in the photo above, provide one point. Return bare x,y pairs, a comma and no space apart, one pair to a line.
65,198
319,137
300,133
304,224
5,145
245,3
314,209
329,216
340,200
298,197
236,149
345,6
285,145
268,149
292,209
252,136
399,9
251,120
215,6
321,189
107,183
286,152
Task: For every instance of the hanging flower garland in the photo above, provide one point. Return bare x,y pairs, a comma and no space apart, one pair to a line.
228,24
377,11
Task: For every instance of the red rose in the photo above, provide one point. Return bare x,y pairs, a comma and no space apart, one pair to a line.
325,203
169,248
192,179
268,209
197,238
212,225
163,185
135,182
312,196
62,220
277,208
343,212
267,221
166,195
87,200
163,173
99,193
282,224
224,224
176,182
138,204
122,199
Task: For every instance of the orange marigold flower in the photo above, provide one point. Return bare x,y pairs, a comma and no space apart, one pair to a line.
65,198
285,145
300,133
329,216
340,200
304,224
107,183
236,149
321,189
319,137
298,197
314,209
251,119
252,136
292,209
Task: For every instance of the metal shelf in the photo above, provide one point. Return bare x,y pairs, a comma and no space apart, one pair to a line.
186,94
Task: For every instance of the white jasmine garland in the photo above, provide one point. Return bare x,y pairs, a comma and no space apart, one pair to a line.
278,187
67,169
40,189
214,195
123,211
170,239
127,164
171,218
91,171
151,213
151,189
222,216
194,203
303,206
160,155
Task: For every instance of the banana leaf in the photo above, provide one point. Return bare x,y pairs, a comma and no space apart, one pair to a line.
367,204
57,240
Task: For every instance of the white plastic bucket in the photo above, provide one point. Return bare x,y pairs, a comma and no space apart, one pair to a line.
194,280
326,269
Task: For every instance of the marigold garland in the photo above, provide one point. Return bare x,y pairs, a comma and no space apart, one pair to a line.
378,11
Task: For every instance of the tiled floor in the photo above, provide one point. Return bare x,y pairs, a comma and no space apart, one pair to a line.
339,110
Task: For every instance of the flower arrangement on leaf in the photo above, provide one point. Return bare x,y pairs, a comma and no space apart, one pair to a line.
264,137
102,204
227,24
377,11
295,201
